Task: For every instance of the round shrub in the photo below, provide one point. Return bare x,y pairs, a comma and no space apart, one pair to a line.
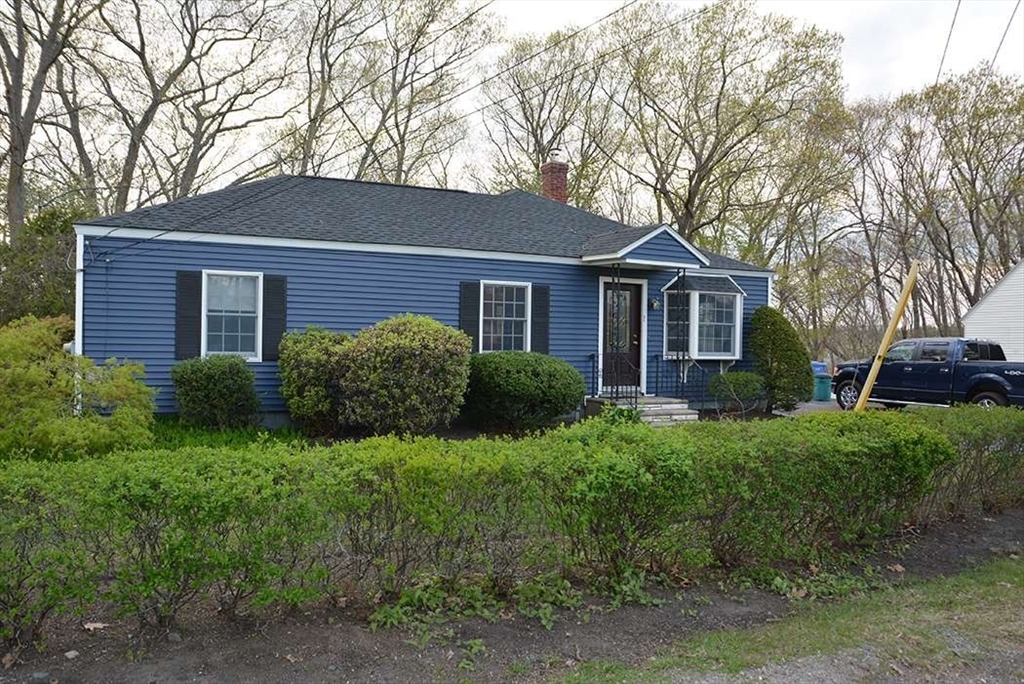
781,359
216,391
56,405
521,390
738,390
407,374
310,366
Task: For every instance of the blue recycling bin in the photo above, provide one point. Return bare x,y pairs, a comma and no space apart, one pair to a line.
819,367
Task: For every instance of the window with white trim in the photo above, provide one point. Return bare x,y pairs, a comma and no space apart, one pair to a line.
677,323
504,317
232,311
716,324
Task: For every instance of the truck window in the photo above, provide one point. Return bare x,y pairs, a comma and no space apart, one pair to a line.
971,352
935,351
901,351
995,353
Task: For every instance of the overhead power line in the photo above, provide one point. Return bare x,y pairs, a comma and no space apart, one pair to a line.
254,199
462,92
949,35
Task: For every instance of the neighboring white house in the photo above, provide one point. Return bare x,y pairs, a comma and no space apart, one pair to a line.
999,315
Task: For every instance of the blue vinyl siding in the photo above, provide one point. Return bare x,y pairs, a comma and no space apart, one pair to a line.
129,299
665,249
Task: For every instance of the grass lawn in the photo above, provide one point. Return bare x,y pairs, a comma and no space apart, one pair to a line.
930,624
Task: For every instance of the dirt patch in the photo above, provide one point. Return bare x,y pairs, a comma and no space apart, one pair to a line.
337,646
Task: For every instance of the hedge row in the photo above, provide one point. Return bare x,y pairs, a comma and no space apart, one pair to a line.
276,524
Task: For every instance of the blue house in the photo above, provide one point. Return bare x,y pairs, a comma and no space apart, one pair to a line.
638,310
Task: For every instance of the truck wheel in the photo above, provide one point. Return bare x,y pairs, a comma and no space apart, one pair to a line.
847,394
989,399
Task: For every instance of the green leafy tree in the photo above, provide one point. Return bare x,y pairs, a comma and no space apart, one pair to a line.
781,359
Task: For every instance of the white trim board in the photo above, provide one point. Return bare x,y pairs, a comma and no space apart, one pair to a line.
145,234
602,281
79,293
664,228
302,243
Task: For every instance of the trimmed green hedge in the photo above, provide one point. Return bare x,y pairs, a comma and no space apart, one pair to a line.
276,524
521,390
216,392
405,375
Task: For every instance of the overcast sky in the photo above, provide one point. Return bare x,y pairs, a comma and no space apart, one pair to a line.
890,46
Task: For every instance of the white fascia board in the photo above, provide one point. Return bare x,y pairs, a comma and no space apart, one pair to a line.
664,228
216,238
79,293
713,275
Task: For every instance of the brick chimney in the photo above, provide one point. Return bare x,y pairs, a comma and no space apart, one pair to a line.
554,177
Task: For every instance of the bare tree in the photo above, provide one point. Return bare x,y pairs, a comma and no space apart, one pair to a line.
33,35
553,99
205,57
703,101
404,122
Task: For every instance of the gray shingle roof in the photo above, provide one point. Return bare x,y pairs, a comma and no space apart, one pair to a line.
704,283
311,208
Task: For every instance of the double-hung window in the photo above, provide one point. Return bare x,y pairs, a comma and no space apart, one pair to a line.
677,323
716,324
232,313
504,316
703,323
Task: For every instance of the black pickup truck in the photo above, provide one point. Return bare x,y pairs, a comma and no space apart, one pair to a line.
941,370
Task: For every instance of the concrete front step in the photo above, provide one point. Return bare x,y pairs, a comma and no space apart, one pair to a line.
669,421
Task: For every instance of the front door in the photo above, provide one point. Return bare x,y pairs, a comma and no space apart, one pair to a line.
620,347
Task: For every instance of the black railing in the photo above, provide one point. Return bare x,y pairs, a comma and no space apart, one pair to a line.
595,382
624,378
669,380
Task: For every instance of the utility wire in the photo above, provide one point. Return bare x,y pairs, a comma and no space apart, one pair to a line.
999,47
252,199
949,35
596,61
462,92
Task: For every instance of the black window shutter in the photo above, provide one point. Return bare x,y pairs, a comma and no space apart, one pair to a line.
540,321
188,307
275,314
469,310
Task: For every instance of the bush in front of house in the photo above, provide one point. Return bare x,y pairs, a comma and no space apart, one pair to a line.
781,359
405,375
737,390
521,390
311,366
56,405
216,392
396,523
988,475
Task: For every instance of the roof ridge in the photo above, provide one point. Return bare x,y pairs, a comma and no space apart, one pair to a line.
393,185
